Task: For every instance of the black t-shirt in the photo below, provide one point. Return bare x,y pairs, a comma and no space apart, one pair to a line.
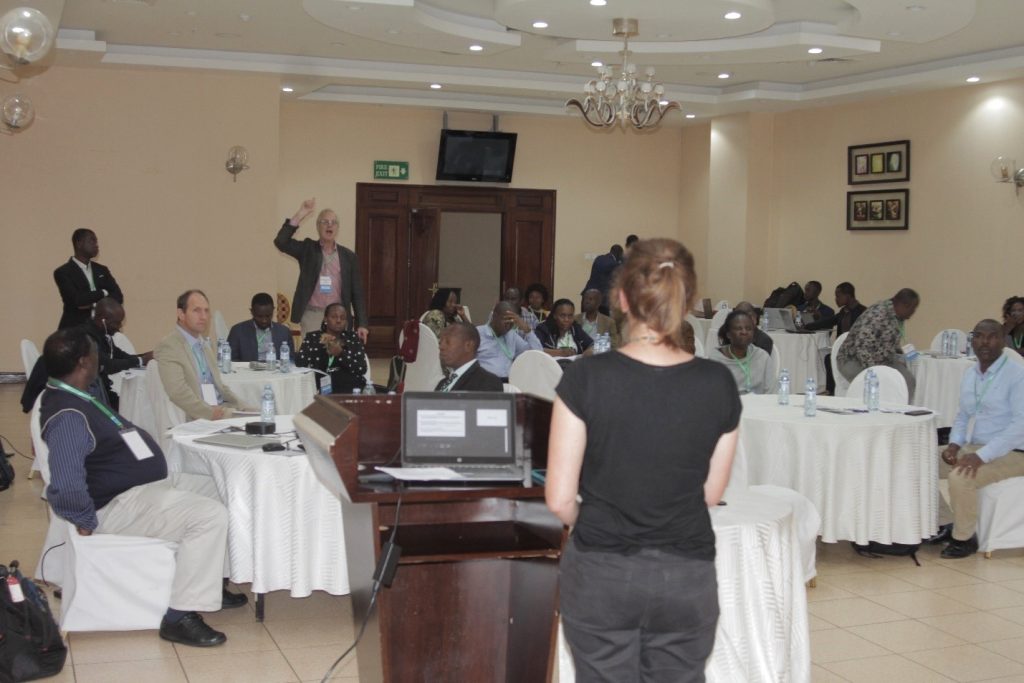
651,432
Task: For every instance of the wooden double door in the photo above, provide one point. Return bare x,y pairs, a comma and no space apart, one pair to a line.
398,239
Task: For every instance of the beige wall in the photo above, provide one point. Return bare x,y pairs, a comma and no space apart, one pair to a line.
139,157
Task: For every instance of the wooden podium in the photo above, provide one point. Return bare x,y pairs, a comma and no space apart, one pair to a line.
476,590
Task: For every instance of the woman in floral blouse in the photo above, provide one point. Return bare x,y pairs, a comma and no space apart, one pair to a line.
335,350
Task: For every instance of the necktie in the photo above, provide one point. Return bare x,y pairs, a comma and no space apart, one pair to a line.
448,382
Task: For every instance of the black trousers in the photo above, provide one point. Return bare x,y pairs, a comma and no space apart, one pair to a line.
646,617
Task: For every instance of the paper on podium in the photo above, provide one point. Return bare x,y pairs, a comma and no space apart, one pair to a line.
421,473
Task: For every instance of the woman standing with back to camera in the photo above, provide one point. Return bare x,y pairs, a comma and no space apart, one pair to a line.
645,435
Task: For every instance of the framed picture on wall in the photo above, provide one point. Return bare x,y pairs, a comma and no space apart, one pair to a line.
877,209
879,162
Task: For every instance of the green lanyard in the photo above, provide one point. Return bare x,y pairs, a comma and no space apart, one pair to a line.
504,348
986,383
260,337
1017,341
744,366
903,331
63,386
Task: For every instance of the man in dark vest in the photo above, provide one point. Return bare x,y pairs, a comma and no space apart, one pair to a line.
109,477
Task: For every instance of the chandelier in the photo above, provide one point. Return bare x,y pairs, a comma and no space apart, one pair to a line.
623,97
26,35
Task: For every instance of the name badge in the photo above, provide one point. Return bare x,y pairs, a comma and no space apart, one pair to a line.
325,284
134,440
209,395
325,384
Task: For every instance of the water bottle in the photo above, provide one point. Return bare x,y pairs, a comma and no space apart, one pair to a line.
356,391
799,319
954,344
873,398
763,323
970,345
267,406
286,358
945,343
811,398
784,387
271,356
868,377
368,389
261,353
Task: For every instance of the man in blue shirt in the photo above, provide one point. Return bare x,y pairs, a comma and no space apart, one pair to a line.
499,342
986,443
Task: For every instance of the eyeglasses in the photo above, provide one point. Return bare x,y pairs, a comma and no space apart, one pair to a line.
324,221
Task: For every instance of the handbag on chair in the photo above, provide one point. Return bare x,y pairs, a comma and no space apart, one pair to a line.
30,643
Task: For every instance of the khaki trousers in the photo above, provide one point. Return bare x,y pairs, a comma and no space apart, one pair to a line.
963,489
198,524
311,321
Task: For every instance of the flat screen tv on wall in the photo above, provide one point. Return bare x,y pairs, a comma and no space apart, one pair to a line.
476,156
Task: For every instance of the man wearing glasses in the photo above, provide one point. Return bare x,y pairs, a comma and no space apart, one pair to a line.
328,272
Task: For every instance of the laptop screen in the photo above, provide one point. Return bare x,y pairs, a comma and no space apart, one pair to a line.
458,428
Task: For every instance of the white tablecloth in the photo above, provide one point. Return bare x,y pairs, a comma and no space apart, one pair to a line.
938,385
292,391
799,353
762,627
284,530
872,477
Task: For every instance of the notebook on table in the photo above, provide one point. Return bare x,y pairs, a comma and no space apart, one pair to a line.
472,433
244,441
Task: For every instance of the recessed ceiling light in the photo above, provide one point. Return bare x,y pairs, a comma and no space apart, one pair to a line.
732,16
245,17
894,34
225,34
598,3
973,79
916,8
663,103
598,63
190,13
663,36
476,48
724,75
287,89
354,8
393,31
435,86
691,116
540,24
338,43
814,51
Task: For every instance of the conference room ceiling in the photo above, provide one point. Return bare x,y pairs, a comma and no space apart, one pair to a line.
391,51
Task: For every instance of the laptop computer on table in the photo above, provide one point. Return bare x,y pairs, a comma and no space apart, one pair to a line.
782,319
472,433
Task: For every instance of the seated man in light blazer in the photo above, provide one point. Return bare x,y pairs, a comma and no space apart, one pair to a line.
457,351
188,363
247,337
593,321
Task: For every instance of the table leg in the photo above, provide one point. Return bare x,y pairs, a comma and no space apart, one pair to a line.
259,606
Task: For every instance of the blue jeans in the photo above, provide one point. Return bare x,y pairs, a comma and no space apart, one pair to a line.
650,616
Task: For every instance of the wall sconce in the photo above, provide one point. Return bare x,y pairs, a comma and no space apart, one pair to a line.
26,35
1005,170
237,161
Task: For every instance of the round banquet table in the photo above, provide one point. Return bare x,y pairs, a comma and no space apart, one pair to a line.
293,391
871,476
938,385
284,528
762,632
799,353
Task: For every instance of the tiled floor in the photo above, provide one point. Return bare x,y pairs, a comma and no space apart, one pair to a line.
873,620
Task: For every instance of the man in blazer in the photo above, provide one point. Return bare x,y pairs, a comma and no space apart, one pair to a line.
82,282
457,350
328,272
593,321
188,363
247,337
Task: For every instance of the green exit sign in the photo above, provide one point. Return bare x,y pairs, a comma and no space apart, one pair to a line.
390,170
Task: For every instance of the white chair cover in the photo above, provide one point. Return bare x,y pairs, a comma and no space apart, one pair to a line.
711,340
126,581
39,463
164,413
961,340
1013,355
425,373
219,325
892,388
535,372
698,347
29,355
125,344
723,305
842,384
369,379
808,521
1000,515
466,315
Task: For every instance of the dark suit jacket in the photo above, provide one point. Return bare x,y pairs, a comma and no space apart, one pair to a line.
76,295
475,379
310,258
242,338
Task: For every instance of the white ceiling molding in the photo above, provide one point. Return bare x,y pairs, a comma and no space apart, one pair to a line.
914,21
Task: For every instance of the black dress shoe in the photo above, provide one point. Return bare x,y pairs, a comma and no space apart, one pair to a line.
229,600
944,534
191,630
957,549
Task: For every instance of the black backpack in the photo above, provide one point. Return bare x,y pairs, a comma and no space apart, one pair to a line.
875,550
30,642
790,295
